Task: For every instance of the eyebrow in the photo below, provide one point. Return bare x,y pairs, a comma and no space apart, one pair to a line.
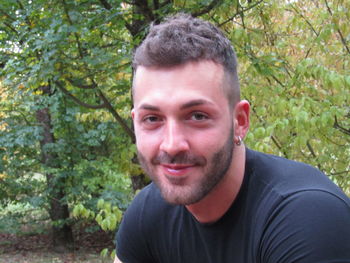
194,103
149,107
187,105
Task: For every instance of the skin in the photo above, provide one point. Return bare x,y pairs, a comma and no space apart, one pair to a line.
186,133
184,129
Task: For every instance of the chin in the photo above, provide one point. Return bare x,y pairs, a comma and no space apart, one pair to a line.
184,195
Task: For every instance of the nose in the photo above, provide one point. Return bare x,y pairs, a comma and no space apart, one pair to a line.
174,139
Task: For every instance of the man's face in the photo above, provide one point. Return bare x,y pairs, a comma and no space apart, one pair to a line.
184,128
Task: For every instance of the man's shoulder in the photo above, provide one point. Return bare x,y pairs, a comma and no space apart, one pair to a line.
149,197
137,225
148,206
286,176
289,201
150,191
274,163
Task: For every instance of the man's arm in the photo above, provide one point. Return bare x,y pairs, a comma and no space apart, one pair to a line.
307,227
116,260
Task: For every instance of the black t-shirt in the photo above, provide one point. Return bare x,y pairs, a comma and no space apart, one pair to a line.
285,212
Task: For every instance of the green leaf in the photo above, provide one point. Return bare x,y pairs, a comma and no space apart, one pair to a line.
100,203
104,253
347,81
259,132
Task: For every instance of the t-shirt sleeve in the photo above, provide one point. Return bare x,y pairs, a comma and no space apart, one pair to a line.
310,226
131,243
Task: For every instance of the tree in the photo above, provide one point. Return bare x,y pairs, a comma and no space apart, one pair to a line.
65,100
70,60
293,68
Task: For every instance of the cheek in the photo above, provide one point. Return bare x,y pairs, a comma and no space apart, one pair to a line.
218,135
210,142
203,142
146,143
206,143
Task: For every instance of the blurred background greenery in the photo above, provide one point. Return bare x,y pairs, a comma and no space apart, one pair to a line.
67,153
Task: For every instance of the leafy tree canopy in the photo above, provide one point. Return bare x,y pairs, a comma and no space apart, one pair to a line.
69,61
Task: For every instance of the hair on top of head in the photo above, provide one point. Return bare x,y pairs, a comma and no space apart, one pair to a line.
182,38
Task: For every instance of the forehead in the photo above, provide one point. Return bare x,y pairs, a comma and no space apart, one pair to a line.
194,80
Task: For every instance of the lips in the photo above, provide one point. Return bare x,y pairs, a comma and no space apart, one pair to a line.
177,169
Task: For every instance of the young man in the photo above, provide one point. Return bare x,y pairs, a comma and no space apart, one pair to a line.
212,199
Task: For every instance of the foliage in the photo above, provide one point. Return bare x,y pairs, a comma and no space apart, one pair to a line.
69,46
294,69
91,158
23,219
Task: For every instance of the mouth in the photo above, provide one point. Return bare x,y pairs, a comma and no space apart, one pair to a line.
178,170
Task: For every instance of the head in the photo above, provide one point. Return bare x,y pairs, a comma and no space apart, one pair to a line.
186,113
181,39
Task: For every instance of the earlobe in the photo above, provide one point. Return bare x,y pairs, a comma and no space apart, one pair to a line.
133,114
241,120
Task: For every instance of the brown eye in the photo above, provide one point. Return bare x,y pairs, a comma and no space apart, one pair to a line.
151,122
151,119
198,116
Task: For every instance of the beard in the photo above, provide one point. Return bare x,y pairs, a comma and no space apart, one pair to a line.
175,191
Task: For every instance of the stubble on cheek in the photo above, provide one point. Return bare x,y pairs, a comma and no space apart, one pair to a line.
173,190
149,166
181,190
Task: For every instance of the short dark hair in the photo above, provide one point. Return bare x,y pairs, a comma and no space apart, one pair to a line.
180,39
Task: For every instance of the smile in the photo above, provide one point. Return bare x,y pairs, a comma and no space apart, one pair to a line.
176,169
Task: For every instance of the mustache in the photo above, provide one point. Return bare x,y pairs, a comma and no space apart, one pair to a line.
180,158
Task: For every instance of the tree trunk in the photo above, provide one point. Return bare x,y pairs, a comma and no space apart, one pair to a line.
61,231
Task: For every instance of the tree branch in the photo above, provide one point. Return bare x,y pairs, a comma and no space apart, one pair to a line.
343,40
106,4
77,38
250,52
309,146
76,100
208,8
273,138
242,11
306,20
340,128
339,173
277,80
115,114
166,2
11,27
77,84
14,109
311,149
7,15
105,105
156,4
145,9
26,17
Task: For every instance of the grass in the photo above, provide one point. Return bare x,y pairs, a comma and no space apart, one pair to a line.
52,257
19,218
24,238
31,249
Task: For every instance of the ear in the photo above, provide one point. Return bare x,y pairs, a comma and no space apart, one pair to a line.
241,119
133,114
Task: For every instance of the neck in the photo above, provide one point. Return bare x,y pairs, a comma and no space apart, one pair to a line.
212,207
